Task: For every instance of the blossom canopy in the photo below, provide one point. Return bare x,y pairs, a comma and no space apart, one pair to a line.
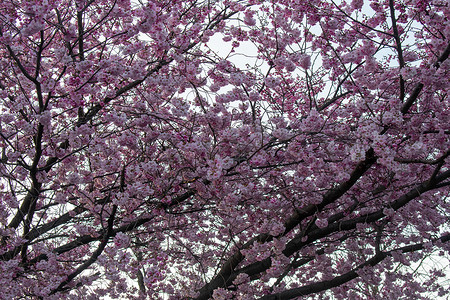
229,149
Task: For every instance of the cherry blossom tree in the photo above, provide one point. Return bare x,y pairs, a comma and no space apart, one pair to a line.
229,149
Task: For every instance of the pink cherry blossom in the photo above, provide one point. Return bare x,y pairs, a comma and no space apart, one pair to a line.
224,149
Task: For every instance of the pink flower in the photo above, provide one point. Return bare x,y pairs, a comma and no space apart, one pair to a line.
305,61
121,240
248,19
321,223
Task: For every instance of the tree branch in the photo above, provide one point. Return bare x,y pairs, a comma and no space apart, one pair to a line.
344,278
298,242
415,94
109,232
227,274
